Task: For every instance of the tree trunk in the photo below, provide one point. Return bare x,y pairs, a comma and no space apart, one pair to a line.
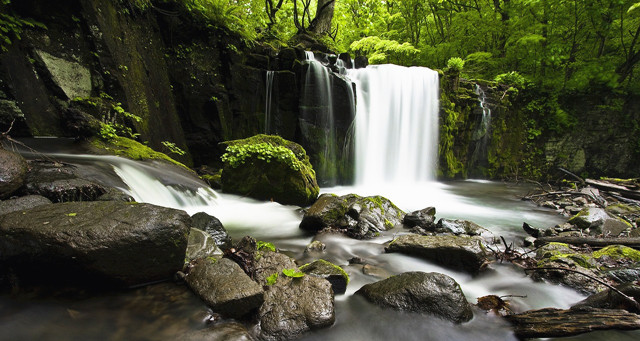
324,15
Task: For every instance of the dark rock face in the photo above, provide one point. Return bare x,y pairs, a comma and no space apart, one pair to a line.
12,172
22,203
60,183
270,263
359,217
361,62
116,242
213,227
429,293
269,167
225,287
329,271
461,253
608,299
294,306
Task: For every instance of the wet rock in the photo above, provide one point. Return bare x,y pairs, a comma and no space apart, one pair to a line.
295,306
458,227
359,217
609,299
530,230
201,245
270,263
228,331
225,287
269,167
375,271
315,246
361,62
346,58
12,172
107,242
460,253
71,77
559,255
60,183
429,293
598,221
113,194
213,227
622,275
80,124
22,203
329,271
423,218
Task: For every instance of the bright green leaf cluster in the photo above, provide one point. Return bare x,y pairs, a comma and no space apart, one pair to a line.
293,273
271,280
265,246
237,155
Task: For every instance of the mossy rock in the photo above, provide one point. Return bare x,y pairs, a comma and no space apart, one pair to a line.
122,146
617,252
267,167
562,253
329,271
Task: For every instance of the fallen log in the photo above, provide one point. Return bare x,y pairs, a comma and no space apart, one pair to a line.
551,322
606,186
593,242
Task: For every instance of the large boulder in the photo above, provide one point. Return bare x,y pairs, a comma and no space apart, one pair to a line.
22,203
269,167
598,221
456,252
423,218
294,306
429,293
60,183
12,172
329,271
359,217
108,242
225,287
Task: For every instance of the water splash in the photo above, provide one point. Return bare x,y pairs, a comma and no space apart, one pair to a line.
396,124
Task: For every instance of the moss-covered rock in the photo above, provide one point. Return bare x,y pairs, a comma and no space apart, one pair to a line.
329,271
122,146
358,217
269,167
617,252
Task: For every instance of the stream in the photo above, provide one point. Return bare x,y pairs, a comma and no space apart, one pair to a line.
169,310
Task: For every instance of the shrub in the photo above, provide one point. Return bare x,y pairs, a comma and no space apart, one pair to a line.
455,64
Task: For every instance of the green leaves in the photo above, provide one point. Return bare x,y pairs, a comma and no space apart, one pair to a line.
265,246
271,280
237,155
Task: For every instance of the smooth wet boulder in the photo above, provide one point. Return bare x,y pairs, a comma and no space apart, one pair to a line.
201,245
329,271
358,217
108,242
294,306
423,218
598,221
226,331
428,293
13,171
267,167
455,252
60,183
458,227
270,263
225,287
213,227
22,203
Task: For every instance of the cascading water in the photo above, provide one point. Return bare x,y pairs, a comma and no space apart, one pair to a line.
267,101
396,124
481,135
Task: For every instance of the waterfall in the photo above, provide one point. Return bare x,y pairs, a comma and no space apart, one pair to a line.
317,110
481,135
396,124
267,101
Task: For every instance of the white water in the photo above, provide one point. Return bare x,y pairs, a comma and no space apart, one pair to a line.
396,124
267,101
481,135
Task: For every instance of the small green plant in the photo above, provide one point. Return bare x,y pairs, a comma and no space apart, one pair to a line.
172,148
293,273
265,246
237,155
455,64
11,25
271,280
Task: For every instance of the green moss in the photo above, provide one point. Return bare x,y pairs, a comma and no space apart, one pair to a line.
328,264
122,146
271,280
561,252
618,252
265,246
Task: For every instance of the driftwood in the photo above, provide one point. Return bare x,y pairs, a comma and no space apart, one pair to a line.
552,322
593,242
607,186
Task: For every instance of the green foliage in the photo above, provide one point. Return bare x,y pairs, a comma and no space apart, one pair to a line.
265,246
271,280
12,25
134,150
455,64
236,155
172,148
292,273
383,50
114,120
512,78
